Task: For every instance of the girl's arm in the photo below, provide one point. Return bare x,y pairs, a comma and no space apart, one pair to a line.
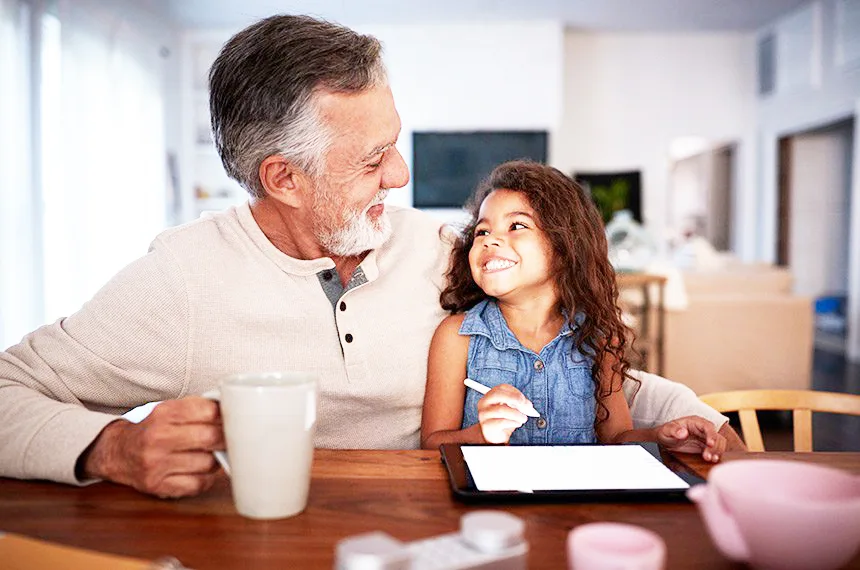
618,427
498,409
445,392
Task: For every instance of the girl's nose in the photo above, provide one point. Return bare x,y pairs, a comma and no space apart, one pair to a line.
492,239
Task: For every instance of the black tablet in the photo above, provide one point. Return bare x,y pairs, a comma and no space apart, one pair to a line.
633,471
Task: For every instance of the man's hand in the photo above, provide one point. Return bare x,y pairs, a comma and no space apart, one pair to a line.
168,454
692,434
499,413
733,440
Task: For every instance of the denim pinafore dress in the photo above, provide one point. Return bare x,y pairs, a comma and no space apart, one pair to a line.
557,381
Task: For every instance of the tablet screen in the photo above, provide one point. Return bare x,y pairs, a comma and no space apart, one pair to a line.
555,468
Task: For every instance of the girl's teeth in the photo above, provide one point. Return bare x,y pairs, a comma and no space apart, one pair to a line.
495,264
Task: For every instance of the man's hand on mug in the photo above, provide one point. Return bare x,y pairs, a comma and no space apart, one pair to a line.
168,454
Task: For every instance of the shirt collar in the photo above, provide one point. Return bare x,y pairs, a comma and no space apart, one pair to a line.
486,319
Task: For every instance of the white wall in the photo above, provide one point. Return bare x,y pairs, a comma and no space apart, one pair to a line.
20,222
853,309
494,76
104,140
815,45
719,230
688,193
828,94
627,96
699,188
71,212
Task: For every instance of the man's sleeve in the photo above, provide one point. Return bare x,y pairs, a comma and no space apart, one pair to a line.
62,384
659,400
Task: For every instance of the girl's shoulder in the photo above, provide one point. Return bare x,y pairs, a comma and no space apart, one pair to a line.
451,324
447,339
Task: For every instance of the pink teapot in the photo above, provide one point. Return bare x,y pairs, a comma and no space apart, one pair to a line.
786,515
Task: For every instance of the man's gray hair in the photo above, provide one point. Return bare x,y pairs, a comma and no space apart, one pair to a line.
263,86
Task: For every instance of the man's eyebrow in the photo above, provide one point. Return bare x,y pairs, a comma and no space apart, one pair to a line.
378,150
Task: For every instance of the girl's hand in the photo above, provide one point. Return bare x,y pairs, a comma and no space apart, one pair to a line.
499,413
692,434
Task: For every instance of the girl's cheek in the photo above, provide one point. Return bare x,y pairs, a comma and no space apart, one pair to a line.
475,266
473,256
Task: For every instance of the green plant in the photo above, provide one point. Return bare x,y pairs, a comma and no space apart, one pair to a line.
611,198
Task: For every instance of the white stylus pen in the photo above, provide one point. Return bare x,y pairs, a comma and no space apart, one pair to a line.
528,409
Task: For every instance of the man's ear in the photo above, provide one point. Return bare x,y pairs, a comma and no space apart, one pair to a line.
284,181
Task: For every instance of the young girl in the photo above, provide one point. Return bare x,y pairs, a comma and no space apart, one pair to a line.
534,317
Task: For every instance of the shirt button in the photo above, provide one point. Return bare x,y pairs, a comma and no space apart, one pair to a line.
348,337
327,275
538,365
342,306
541,423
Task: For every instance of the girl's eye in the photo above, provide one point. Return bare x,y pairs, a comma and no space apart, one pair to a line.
481,232
518,226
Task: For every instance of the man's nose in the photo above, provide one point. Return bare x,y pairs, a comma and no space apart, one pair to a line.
396,173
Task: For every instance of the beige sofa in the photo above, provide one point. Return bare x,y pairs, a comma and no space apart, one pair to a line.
743,328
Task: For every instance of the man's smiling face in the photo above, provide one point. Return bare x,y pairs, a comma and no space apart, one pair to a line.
361,165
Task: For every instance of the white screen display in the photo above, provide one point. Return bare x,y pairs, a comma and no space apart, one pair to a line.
567,468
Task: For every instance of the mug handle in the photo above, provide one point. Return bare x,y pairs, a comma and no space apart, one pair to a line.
220,456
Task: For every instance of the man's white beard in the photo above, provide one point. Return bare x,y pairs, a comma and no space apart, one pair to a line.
357,233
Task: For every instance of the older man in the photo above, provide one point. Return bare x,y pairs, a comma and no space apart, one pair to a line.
314,273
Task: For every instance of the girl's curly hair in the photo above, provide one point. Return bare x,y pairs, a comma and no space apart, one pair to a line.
584,278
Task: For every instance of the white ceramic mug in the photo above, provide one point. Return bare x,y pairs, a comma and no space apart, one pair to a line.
269,420
615,546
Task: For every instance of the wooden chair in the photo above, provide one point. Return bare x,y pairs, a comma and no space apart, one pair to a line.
801,402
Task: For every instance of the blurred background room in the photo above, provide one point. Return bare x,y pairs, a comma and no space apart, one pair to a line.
725,129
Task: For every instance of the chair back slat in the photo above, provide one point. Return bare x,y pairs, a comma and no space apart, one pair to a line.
801,402
802,429
751,430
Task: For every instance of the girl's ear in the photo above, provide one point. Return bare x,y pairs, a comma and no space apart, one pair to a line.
283,181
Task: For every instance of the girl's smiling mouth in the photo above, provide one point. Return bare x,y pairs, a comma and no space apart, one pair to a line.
497,264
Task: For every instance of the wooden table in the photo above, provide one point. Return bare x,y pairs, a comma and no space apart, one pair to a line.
403,493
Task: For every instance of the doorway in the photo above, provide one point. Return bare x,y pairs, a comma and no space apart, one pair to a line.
814,222
700,204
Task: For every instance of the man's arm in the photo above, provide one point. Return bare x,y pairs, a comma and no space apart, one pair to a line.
126,346
659,401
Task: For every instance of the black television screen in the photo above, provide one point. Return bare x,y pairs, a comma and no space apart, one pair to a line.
446,167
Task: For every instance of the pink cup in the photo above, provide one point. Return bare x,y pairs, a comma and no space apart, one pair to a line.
785,515
614,546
